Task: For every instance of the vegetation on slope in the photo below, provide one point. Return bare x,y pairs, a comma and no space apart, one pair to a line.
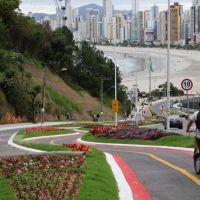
24,43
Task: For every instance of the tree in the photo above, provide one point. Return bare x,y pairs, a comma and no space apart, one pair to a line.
3,34
33,93
7,7
174,91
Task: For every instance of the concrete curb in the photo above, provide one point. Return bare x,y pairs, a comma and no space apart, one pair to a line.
151,125
11,143
125,192
51,136
135,145
7,127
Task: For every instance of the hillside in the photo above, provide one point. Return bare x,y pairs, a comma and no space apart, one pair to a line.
27,50
83,99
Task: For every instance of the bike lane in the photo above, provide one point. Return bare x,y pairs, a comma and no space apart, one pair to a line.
164,173
147,176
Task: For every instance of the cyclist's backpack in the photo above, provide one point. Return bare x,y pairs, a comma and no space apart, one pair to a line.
198,121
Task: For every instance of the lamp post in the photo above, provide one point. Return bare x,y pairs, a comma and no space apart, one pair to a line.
116,120
102,80
168,68
43,92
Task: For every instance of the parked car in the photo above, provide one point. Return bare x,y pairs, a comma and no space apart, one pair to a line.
175,122
184,115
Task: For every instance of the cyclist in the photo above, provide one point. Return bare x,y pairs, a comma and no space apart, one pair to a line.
195,118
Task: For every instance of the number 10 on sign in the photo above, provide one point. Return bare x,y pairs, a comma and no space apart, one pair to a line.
187,84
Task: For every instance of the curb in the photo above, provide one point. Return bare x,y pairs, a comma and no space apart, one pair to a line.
136,145
125,192
22,126
50,136
11,143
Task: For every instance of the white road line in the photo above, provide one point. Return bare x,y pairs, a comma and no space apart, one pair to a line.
135,145
125,192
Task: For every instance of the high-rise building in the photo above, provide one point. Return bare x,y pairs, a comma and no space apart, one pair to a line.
135,10
108,13
176,23
187,26
118,28
163,27
195,21
154,12
93,28
147,19
68,17
135,6
141,26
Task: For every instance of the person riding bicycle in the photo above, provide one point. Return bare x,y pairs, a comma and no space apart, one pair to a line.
195,118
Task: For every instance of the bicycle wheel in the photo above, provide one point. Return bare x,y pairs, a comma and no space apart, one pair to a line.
197,164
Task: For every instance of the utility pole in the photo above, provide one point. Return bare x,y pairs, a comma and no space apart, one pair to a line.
43,92
116,120
150,63
101,92
43,96
168,68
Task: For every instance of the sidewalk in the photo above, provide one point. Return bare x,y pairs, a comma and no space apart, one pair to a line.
6,127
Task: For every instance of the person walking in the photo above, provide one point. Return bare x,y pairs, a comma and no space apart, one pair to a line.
195,118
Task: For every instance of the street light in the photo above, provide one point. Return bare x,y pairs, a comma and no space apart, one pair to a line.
115,91
168,68
43,92
102,80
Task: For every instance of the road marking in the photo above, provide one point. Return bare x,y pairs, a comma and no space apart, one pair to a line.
138,189
179,169
52,142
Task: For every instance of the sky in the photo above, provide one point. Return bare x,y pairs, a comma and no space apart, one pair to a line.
48,6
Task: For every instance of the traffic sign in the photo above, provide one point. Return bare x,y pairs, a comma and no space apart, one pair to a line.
115,106
187,84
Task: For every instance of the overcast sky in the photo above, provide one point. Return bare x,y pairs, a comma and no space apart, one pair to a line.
48,6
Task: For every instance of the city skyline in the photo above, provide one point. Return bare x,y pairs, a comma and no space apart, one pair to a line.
48,6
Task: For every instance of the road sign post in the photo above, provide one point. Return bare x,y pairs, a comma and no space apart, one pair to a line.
115,106
187,85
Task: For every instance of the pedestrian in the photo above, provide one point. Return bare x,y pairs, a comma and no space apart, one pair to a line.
94,117
98,117
195,118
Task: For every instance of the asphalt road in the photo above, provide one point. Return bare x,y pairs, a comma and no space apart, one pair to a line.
166,174
157,109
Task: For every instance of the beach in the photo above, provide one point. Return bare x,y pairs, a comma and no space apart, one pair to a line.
134,64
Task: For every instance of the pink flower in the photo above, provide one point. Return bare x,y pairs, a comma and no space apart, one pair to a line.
44,196
62,162
45,158
18,171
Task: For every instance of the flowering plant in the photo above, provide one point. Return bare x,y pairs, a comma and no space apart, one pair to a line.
101,129
37,129
132,133
45,177
78,147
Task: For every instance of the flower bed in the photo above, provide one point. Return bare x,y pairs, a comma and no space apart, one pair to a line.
45,177
37,129
101,129
78,147
132,133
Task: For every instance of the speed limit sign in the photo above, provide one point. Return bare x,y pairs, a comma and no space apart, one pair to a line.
187,84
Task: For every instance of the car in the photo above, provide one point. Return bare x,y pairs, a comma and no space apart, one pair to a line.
184,115
175,122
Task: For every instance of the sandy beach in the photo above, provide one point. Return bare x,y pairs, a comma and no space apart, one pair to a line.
134,66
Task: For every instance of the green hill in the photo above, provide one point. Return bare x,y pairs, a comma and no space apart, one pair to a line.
27,50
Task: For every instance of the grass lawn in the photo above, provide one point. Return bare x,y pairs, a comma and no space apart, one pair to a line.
99,182
174,141
6,192
24,135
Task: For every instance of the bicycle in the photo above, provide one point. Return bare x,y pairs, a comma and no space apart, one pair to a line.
196,158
